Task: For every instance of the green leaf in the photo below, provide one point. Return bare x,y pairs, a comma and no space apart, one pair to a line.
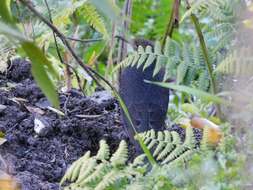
190,108
39,70
109,8
39,61
95,20
201,94
97,47
5,12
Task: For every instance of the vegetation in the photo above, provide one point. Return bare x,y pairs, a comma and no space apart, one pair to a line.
202,45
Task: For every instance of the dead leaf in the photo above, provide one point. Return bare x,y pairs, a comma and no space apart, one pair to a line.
214,131
88,116
34,110
8,183
18,100
2,141
56,110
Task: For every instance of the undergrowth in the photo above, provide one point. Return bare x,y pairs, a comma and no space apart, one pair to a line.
104,172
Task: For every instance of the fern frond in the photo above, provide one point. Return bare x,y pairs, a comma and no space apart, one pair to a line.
94,19
143,58
216,9
167,145
101,171
104,151
87,168
74,170
204,142
111,178
121,155
238,63
203,81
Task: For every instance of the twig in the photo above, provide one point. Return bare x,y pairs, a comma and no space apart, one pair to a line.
68,73
84,40
173,21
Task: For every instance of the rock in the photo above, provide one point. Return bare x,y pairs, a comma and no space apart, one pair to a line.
2,107
41,126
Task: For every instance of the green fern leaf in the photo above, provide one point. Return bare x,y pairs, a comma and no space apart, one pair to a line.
95,20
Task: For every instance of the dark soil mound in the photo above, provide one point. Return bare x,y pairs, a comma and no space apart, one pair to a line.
39,160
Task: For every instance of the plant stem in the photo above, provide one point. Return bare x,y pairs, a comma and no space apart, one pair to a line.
93,74
173,21
67,71
84,40
205,53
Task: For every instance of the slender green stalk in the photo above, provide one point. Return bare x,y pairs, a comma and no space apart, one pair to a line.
205,51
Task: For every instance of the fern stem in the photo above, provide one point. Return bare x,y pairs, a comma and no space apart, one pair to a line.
205,53
173,21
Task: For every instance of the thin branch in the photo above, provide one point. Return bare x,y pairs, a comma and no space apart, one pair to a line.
173,21
84,40
68,73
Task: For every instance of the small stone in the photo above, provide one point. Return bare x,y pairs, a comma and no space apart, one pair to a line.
2,107
41,126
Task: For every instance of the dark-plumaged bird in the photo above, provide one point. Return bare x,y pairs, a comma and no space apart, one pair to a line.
146,103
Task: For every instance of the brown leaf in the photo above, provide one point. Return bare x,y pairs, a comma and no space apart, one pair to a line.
34,110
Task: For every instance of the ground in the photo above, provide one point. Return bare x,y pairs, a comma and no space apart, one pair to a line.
39,161
39,158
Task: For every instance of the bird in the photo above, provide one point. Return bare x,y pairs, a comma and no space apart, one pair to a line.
147,103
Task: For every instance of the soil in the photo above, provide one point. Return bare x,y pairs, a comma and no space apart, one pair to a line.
39,159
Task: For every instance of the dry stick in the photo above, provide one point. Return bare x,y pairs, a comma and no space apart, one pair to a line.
89,70
68,73
205,52
173,21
